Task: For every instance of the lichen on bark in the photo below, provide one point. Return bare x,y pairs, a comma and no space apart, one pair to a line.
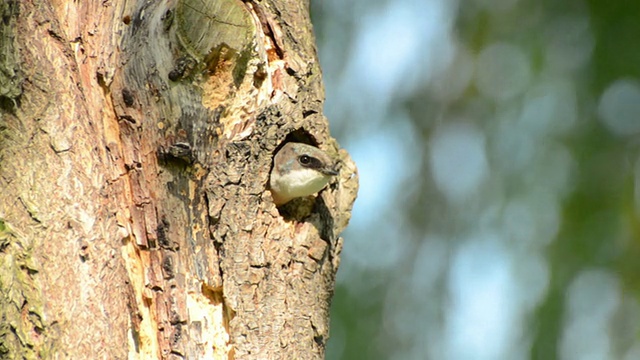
10,76
21,304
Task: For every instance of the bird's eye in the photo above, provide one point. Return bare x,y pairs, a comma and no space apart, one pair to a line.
304,160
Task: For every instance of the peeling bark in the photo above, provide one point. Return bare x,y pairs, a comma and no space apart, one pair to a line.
136,141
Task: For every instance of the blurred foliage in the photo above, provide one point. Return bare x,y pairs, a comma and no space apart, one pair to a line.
601,210
598,212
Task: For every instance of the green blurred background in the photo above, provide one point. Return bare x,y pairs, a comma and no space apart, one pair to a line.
498,149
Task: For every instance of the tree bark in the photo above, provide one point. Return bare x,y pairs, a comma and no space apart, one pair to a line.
136,142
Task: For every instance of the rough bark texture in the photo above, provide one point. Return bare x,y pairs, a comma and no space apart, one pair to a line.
136,141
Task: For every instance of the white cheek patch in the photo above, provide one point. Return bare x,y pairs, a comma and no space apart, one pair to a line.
302,182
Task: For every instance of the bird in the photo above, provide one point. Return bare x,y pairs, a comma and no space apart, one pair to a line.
299,170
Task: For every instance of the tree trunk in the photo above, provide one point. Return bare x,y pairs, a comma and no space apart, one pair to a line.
136,142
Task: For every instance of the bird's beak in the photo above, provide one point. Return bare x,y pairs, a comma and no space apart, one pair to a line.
329,171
